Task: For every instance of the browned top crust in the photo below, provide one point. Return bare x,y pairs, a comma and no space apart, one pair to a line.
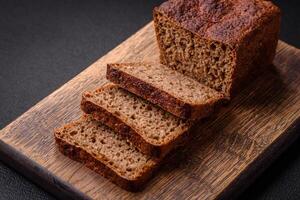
227,21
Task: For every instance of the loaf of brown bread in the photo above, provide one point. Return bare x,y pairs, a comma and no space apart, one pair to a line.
100,149
217,42
151,129
174,92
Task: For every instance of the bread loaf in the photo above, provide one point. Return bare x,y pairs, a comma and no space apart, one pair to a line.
217,42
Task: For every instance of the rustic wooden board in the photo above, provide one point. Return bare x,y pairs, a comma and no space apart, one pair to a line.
227,151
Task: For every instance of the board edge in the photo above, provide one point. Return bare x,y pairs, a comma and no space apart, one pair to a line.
38,174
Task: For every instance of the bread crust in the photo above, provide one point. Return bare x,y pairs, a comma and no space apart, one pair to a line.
80,155
121,128
228,21
156,96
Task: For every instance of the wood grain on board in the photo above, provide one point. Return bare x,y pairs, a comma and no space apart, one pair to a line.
226,153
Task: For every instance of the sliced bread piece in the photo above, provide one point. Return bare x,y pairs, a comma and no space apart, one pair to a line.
174,92
154,131
100,149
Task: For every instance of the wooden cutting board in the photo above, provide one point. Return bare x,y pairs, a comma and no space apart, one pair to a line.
227,152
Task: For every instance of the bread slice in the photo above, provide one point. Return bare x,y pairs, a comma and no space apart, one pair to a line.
174,92
151,129
105,152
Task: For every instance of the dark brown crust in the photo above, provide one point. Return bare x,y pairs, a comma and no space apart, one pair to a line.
127,132
227,21
249,66
157,96
80,155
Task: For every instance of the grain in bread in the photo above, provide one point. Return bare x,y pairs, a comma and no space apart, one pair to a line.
100,149
153,130
219,43
172,91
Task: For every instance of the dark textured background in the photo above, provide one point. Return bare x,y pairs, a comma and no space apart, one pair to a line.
43,44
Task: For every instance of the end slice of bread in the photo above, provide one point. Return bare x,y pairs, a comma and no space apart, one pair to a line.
174,92
154,131
100,149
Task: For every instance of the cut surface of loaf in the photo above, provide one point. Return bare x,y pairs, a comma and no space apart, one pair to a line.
100,149
219,43
151,129
174,92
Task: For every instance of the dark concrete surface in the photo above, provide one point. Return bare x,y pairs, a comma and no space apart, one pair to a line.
43,44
